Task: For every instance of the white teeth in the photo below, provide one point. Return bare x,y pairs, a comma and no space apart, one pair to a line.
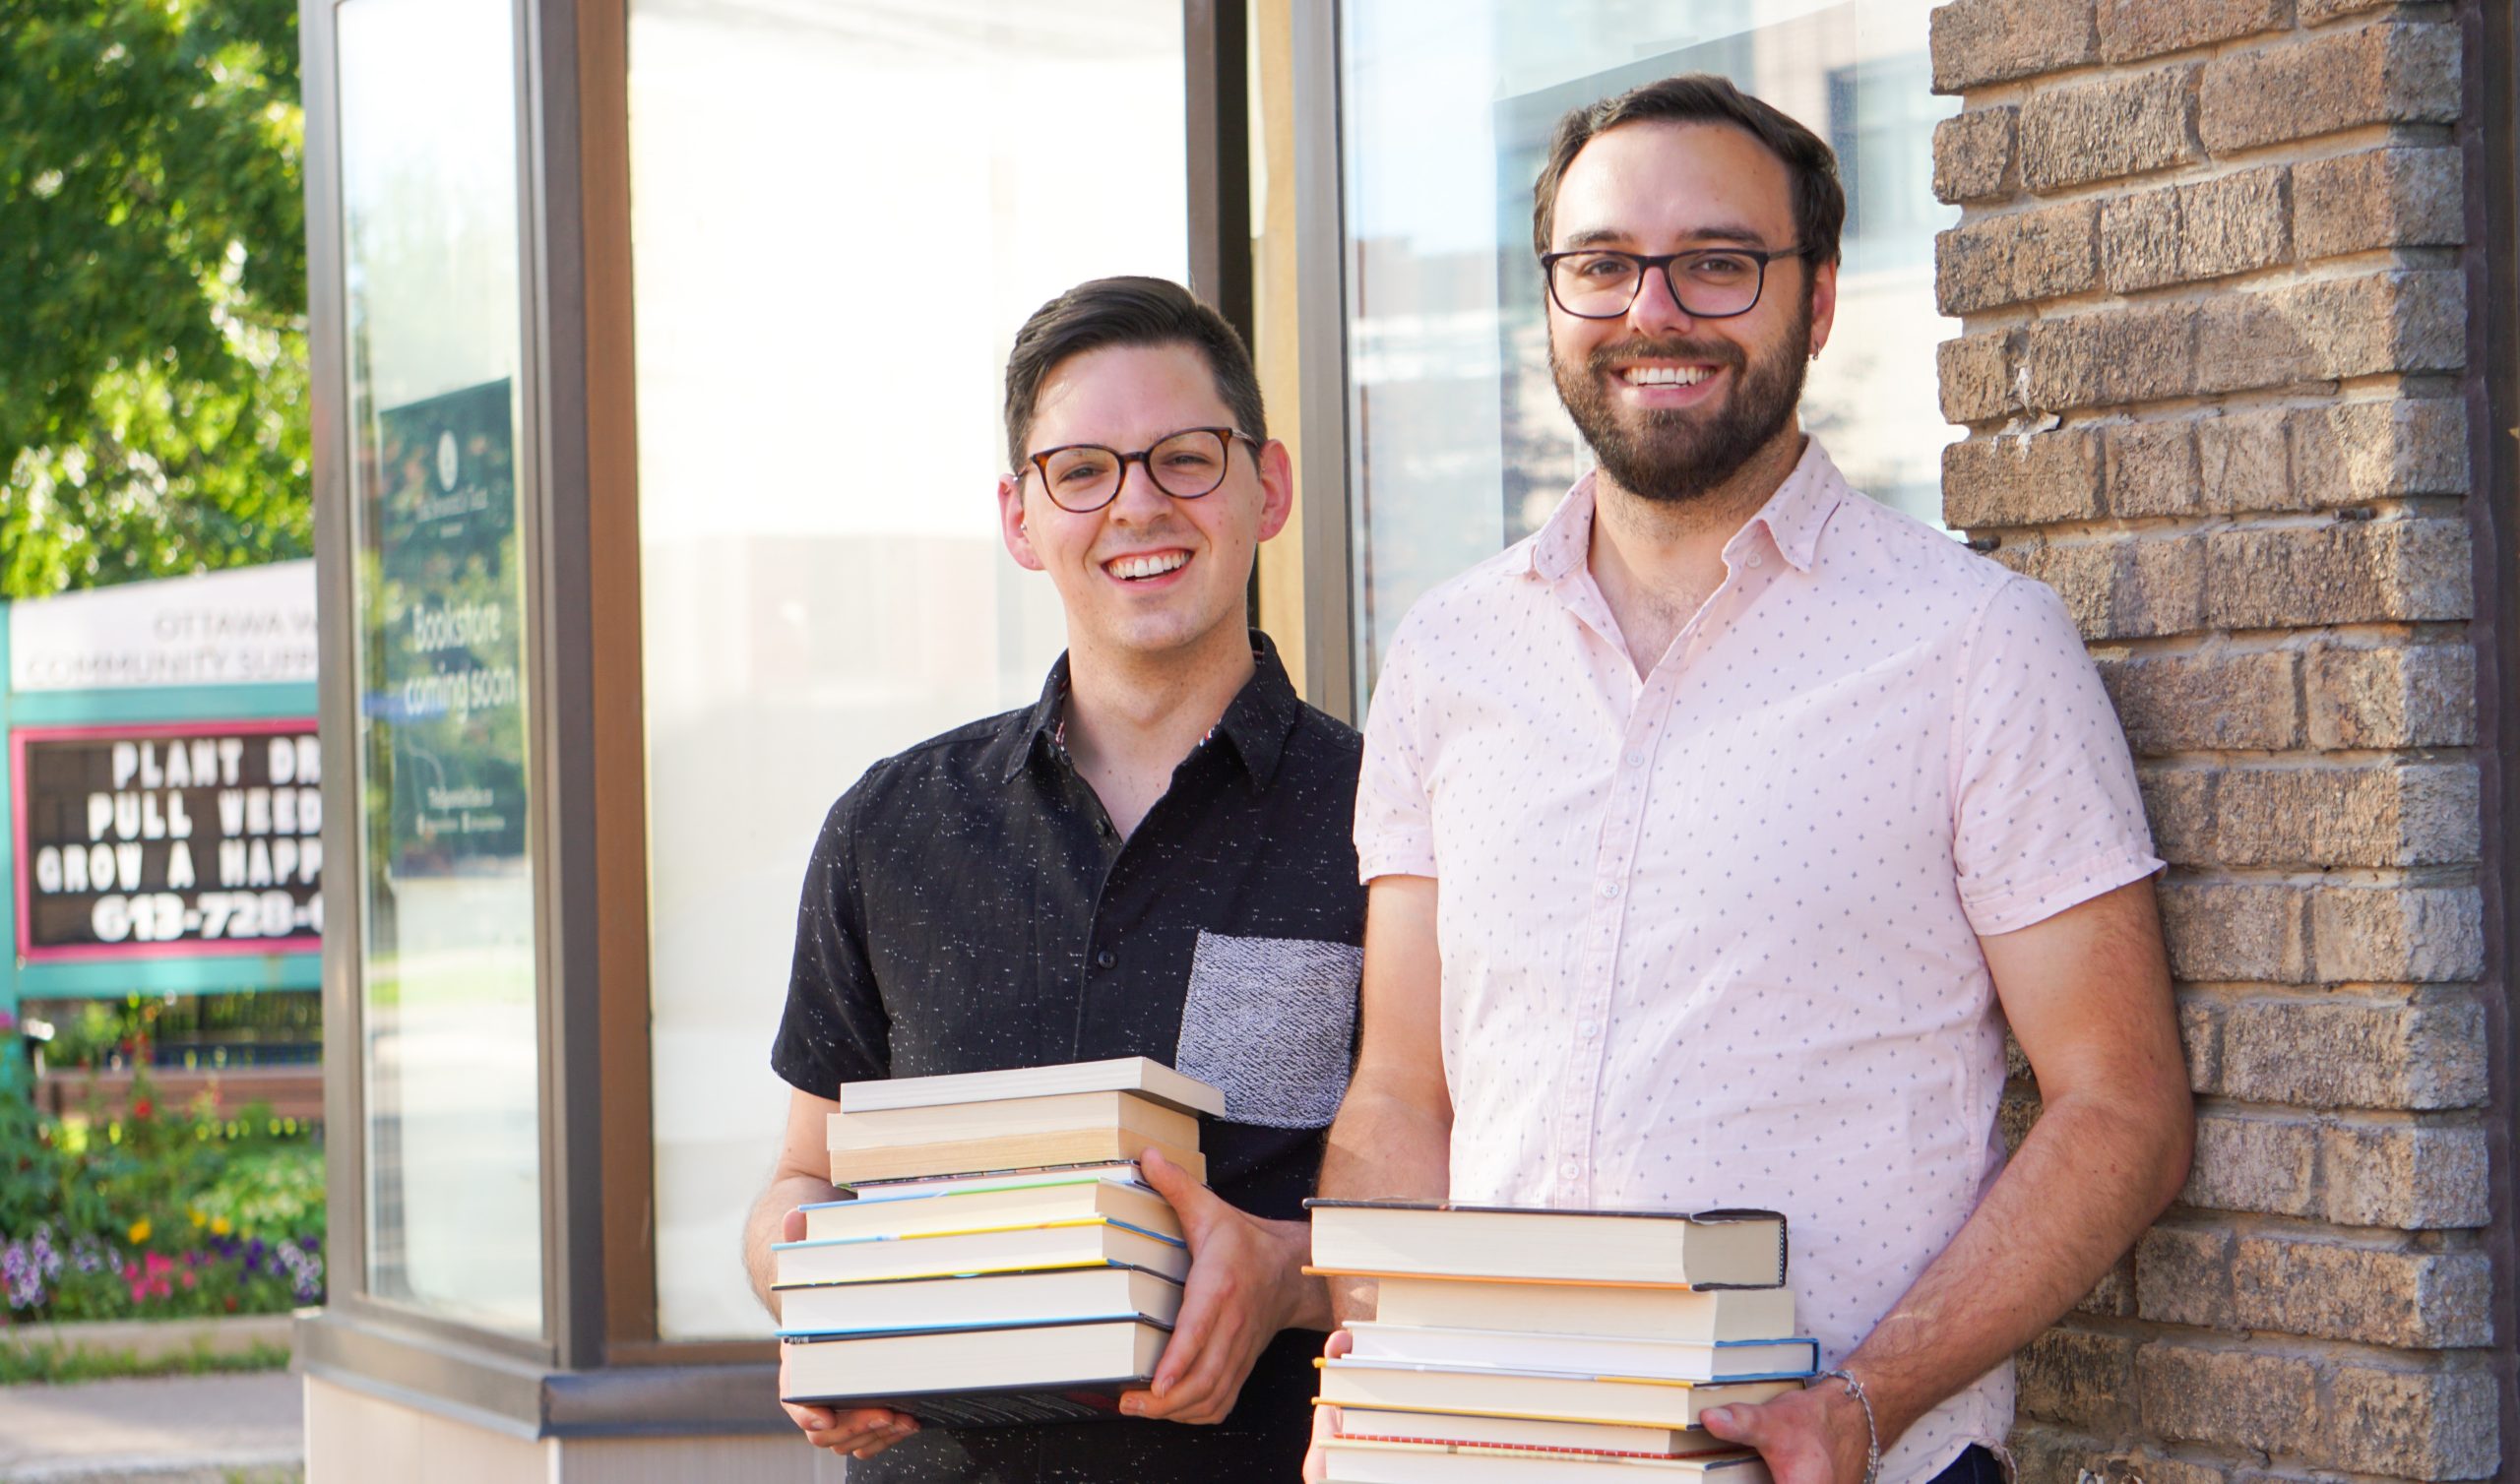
1665,376
1148,566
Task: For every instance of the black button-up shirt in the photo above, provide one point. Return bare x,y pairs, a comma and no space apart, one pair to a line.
969,907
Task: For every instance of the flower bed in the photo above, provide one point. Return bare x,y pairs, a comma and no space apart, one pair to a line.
141,1212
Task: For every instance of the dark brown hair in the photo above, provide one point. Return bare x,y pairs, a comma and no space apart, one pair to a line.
1127,311
1700,97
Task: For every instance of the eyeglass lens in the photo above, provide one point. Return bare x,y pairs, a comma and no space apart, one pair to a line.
1602,284
1185,466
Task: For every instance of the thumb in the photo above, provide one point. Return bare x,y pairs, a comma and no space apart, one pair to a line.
1735,1424
1169,1180
792,1226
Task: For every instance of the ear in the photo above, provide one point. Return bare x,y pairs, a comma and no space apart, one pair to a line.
1277,488
1010,524
1824,303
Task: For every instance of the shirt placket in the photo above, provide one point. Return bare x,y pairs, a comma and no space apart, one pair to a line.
1614,873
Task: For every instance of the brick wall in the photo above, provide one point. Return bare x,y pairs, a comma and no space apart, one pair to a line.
2211,367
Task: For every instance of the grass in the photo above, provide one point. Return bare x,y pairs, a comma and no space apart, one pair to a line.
55,1364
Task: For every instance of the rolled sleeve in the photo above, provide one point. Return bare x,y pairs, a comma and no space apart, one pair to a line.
833,1029
1394,810
2047,813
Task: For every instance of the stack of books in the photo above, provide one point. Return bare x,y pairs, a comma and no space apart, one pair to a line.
1522,1346
1001,1259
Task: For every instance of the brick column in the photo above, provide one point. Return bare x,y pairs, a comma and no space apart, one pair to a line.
2212,369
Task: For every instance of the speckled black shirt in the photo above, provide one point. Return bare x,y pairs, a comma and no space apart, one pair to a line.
969,907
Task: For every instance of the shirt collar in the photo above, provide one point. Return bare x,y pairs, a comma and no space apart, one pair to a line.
1792,518
1255,723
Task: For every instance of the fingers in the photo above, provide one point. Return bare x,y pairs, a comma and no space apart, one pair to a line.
862,1433
1325,1419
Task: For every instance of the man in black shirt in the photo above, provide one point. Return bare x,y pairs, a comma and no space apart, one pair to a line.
1151,861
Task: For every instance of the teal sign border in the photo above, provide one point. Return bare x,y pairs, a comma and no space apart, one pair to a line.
207,974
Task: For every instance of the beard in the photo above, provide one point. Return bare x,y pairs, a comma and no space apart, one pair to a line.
1674,455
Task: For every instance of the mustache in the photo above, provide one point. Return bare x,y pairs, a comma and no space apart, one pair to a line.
1675,349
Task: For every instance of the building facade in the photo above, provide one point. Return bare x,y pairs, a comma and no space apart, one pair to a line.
657,341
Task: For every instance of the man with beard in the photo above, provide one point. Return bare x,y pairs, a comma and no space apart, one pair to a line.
1757,811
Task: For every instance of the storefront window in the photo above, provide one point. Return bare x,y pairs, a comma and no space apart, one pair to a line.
840,214
429,202
1458,444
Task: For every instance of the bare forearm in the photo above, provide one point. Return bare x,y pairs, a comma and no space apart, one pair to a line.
767,1221
2091,1174
1384,1147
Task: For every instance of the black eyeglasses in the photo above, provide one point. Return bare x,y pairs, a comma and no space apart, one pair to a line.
1707,282
1083,477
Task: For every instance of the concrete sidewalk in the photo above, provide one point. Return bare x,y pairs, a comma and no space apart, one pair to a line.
172,1430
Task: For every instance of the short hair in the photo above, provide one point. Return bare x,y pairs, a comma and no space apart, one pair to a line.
1126,310
1701,97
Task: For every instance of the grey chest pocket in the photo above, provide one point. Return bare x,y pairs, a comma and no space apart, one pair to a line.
1268,1023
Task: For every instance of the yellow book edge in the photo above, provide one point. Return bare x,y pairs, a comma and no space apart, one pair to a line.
1501,1277
1322,1362
976,1231
1020,1266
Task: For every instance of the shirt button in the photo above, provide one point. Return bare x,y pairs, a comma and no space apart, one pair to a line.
1589,1030
1636,760
1570,1169
1610,889
1754,559
1105,958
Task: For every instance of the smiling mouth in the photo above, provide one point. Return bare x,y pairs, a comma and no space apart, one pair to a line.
1665,376
1132,568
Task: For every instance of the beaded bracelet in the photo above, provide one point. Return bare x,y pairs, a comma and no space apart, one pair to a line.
1872,1431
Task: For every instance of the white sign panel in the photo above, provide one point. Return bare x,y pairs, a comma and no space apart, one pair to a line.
252,625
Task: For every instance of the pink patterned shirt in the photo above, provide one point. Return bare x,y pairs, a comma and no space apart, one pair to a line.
1710,937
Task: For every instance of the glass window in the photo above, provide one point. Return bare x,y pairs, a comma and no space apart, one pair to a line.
430,205
841,212
1459,445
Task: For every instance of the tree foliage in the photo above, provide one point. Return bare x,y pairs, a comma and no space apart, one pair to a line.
153,289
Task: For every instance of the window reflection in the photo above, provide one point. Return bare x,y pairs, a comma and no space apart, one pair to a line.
1459,445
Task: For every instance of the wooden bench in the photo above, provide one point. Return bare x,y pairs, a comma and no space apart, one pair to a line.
293,1091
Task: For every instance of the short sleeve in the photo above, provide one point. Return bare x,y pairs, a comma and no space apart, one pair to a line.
1395,811
834,1028
2047,814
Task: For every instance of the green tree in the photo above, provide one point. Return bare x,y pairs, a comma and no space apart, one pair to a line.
152,290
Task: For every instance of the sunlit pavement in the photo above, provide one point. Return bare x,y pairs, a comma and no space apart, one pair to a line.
174,1430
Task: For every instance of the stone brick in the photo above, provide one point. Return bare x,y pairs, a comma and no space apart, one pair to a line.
2317,11
2114,1296
1981,42
2183,1277
2082,132
2392,73
2239,1399
2078,1377
2149,469
2185,233
2133,28
2047,1453
2015,479
2398,935
2354,1054
2111,356
2330,1288
2192,702
2347,572
2418,696
2429,1424
2418,814
2360,451
2232,931
2200,1039
2326,329
2037,254
2254,1162
2405,1175
1974,155
2015,1112
2402,196
2119,588
1977,377
2244,462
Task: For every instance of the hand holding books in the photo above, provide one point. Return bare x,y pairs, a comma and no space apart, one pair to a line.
1237,1297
